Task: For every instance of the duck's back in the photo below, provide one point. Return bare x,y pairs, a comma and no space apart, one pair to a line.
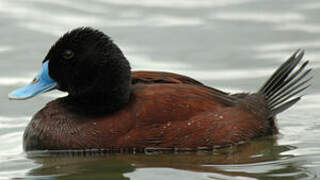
165,110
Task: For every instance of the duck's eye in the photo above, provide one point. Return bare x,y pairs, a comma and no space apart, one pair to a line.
68,54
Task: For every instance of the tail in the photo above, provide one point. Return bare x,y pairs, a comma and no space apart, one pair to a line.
286,83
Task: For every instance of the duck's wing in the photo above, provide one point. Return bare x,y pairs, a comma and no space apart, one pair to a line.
152,77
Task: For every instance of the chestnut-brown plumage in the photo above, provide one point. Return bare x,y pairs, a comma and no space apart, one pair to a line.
111,108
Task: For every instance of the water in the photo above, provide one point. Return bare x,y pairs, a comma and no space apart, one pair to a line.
229,44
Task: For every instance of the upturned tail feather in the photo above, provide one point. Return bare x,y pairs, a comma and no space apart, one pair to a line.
282,89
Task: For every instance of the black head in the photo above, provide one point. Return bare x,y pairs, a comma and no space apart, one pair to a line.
91,68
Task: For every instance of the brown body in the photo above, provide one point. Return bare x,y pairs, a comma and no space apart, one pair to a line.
165,110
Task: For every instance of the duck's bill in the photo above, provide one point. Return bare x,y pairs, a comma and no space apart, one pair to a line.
40,84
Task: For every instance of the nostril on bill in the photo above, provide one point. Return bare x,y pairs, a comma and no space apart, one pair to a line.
35,80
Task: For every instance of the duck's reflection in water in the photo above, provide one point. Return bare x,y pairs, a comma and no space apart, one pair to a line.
242,160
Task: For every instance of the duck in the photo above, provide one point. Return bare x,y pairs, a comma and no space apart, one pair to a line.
111,108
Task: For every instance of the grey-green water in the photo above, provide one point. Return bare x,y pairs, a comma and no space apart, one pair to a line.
233,45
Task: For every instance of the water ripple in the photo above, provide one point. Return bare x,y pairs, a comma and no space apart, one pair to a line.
176,4
304,27
313,5
260,17
288,46
9,81
5,49
169,173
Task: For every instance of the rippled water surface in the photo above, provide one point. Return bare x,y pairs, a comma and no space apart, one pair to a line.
229,44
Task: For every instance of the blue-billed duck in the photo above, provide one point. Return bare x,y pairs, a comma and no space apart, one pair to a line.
110,107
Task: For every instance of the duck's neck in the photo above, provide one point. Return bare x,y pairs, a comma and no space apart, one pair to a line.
108,92
97,104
